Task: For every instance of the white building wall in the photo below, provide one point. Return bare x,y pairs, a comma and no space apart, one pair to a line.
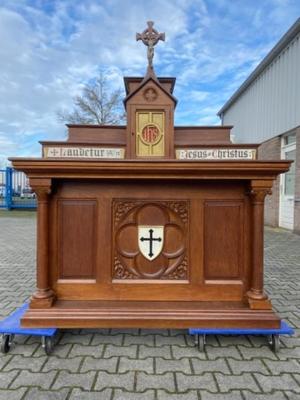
271,104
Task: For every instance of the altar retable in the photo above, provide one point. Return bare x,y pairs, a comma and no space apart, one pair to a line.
150,225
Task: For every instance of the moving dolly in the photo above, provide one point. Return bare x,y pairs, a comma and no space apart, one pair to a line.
10,326
271,334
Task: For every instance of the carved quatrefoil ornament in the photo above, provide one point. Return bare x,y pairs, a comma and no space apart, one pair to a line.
160,225
150,94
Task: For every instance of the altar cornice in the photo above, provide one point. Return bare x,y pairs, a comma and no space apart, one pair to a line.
154,169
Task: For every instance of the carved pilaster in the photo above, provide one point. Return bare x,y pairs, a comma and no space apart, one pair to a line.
256,296
44,296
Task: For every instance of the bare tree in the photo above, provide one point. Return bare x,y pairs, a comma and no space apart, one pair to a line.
96,105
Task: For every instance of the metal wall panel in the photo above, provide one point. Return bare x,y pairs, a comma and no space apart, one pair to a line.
271,104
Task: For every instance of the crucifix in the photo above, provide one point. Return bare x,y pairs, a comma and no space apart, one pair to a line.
150,239
150,38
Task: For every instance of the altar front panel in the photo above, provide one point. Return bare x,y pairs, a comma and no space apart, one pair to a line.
203,227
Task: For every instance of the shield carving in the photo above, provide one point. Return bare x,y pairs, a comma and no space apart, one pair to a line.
151,240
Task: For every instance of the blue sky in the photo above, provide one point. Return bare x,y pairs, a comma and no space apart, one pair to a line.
50,48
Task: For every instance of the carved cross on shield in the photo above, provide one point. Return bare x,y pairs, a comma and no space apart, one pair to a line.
151,240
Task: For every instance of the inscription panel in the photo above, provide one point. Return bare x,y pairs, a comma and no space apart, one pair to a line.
77,239
157,221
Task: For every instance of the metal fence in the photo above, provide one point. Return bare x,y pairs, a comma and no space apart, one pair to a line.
15,191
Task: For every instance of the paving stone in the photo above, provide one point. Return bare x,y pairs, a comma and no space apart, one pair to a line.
26,378
16,394
55,363
227,383
128,351
97,331
33,364
147,340
66,379
37,394
291,395
106,380
181,352
201,366
61,350
190,395
216,352
188,382
285,382
25,350
182,365
290,342
97,364
127,364
78,394
4,360
279,367
121,395
255,365
255,396
178,340
234,340
286,354
80,350
146,351
107,339
249,353
124,331
69,337
148,381
257,341
233,395
162,332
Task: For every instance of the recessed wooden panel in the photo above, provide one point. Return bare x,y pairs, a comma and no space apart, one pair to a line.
223,227
77,239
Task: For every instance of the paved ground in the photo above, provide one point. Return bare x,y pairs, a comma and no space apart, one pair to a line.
157,364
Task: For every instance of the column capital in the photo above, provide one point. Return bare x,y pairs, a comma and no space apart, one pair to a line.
41,186
258,190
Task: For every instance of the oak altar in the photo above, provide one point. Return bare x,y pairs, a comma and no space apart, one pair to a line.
150,224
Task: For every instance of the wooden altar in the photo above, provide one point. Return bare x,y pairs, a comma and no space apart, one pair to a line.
150,225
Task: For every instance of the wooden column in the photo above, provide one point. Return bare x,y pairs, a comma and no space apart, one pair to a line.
256,296
44,296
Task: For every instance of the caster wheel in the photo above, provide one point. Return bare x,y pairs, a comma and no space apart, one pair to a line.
5,343
201,343
47,344
274,342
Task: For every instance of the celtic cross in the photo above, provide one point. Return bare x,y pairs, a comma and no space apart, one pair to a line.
150,38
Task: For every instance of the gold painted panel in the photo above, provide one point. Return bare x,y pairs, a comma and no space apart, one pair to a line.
150,133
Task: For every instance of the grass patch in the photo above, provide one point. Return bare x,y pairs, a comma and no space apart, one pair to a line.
17,213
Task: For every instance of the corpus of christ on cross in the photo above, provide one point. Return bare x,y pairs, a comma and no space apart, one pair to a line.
150,38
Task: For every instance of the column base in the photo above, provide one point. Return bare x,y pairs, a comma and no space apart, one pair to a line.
258,300
43,298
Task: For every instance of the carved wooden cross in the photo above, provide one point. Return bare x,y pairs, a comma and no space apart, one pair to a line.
150,38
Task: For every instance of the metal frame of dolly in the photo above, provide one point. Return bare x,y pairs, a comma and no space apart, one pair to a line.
10,326
273,335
